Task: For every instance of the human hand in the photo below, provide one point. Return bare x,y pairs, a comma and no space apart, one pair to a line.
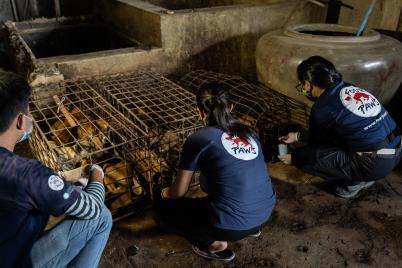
286,159
292,137
165,193
95,173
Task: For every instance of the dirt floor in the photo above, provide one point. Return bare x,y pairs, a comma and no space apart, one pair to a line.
309,228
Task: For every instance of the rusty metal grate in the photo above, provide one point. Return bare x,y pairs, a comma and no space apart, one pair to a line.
163,114
150,100
75,126
251,99
264,109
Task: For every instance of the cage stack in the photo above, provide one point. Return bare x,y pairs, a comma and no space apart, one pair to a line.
270,113
74,127
163,114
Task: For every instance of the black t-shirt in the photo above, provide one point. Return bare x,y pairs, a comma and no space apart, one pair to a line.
29,193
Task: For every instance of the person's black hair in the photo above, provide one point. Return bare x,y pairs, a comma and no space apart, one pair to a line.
14,98
318,71
214,99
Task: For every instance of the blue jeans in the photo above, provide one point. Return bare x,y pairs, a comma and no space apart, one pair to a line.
73,243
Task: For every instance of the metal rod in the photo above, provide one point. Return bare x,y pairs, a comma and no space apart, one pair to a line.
364,23
66,113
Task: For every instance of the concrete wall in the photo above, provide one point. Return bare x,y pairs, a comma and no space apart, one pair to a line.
224,40
25,10
55,67
5,14
43,8
137,19
189,4
221,39
111,62
5,11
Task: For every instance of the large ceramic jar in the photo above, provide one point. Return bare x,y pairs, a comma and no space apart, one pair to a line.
372,61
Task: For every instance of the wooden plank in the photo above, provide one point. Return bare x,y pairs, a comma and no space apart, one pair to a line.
400,22
391,12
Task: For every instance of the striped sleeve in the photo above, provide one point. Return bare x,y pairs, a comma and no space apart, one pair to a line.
90,202
97,190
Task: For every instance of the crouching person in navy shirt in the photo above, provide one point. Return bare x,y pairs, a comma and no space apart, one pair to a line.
352,140
30,192
240,194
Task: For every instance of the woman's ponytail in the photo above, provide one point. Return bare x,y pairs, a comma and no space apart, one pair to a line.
214,100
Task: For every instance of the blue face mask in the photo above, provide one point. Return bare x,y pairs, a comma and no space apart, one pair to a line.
26,134
304,92
308,95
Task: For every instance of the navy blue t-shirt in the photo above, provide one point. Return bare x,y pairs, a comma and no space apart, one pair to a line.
351,116
29,193
239,187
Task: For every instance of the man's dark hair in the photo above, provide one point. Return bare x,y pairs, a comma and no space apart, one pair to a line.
14,98
319,71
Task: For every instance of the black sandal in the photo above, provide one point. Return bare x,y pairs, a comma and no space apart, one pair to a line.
256,234
224,255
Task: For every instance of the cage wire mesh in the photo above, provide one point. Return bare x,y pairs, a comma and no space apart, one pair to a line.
134,125
270,113
75,126
163,114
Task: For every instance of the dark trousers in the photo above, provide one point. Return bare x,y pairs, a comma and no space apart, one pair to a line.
192,219
333,163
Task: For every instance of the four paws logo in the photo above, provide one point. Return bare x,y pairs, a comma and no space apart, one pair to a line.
360,102
55,183
240,148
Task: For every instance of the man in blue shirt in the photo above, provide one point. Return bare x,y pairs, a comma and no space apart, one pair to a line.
352,140
30,192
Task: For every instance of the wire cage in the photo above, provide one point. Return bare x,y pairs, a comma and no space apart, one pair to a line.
163,115
75,126
270,113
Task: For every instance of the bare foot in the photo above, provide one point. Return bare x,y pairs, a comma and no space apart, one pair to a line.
218,246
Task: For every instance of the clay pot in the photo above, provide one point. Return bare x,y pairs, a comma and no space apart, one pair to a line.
372,61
